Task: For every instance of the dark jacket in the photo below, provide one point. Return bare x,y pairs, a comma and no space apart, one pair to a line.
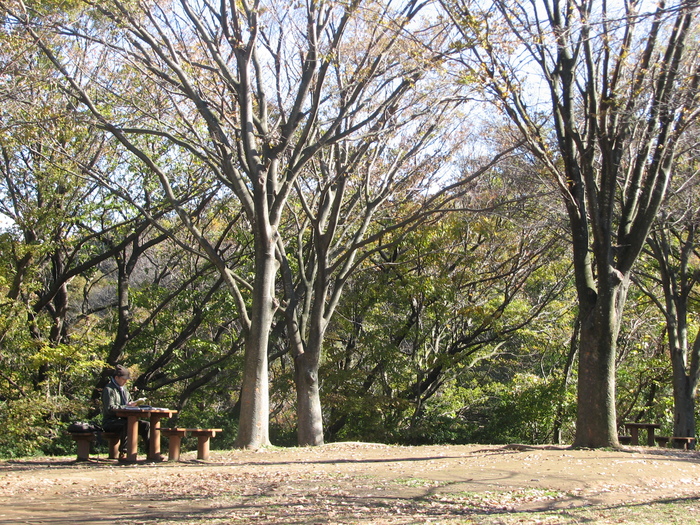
113,398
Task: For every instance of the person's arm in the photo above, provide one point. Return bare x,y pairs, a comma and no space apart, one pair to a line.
127,396
129,402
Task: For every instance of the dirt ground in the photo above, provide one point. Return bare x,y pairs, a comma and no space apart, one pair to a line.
348,483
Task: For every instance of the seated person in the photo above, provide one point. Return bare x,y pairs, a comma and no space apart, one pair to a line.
115,396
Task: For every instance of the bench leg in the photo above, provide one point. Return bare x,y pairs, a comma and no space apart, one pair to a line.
84,442
203,447
83,450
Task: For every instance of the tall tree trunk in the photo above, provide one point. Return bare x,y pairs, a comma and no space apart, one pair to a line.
677,282
596,420
683,397
307,359
309,415
306,364
677,322
253,429
599,325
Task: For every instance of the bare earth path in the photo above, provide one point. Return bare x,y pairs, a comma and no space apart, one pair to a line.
348,483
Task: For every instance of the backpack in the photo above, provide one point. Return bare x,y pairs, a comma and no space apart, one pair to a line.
84,427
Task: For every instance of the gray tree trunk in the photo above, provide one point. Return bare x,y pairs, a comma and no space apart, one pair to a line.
596,412
309,415
253,429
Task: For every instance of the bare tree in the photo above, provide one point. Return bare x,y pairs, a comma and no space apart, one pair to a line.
253,91
670,282
357,199
601,94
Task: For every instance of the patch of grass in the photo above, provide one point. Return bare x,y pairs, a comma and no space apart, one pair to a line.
417,482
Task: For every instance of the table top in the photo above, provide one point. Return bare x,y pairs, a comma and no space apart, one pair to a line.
642,425
143,411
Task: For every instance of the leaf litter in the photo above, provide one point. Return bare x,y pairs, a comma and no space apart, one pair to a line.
359,483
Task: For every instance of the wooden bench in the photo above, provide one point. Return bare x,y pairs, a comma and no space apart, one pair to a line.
662,441
687,443
85,440
175,436
624,440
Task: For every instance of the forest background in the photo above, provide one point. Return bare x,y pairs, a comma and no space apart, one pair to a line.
344,220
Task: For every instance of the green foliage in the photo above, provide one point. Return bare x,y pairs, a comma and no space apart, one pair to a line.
34,414
66,364
212,407
34,424
523,411
58,6
426,351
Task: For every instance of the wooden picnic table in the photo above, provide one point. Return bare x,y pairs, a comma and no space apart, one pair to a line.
132,415
634,432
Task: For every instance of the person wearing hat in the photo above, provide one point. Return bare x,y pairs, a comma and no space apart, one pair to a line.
115,396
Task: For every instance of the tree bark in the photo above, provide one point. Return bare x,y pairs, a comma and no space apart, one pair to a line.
672,250
253,430
309,415
596,414
683,395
